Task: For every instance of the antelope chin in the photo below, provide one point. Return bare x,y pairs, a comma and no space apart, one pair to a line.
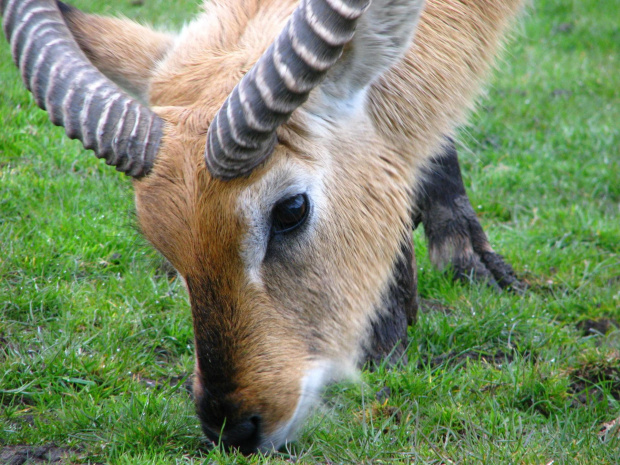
317,378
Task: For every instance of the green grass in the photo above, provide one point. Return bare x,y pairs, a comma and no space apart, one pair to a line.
96,337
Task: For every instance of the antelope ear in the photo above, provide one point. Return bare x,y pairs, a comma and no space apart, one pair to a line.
125,51
383,35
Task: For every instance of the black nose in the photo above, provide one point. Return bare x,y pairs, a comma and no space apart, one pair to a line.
241,434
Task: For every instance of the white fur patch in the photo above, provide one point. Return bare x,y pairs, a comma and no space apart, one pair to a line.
317,377
257,201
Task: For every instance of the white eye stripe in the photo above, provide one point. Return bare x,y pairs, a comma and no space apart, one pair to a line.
256,203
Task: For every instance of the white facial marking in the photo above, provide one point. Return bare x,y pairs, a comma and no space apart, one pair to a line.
317,377
257,201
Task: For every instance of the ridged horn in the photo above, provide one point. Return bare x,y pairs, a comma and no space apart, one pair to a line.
75,94
243,133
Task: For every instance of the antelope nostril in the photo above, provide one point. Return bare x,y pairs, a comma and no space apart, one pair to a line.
243,434
255,420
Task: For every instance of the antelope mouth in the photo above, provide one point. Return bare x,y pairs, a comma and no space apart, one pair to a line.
252,433
320,375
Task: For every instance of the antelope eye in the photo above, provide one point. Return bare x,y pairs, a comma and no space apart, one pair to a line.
289,214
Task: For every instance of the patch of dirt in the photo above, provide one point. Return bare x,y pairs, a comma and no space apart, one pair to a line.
599,326
383,394
586,381
30,455
162,354
15,397
561,93
380,412
434,305
614,280
563,28
165,270
543,284
186,381
25,420
610,430
4,347
453,358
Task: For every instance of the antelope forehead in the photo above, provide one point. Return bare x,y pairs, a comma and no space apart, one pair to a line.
255,203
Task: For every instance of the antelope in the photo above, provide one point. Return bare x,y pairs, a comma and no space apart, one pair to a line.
281,153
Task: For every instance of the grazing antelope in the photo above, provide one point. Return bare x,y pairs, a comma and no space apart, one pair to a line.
281,152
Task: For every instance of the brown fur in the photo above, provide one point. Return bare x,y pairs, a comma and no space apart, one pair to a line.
316,297
426,96
104,40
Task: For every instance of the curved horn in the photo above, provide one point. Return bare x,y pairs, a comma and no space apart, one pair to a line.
75,94
242,134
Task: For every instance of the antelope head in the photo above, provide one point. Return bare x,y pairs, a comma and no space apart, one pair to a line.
261,173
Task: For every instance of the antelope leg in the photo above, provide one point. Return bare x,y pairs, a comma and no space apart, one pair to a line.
454,234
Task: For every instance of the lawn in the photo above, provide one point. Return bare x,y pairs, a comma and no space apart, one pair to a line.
95,331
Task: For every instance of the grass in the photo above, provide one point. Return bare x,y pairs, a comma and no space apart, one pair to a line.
96,336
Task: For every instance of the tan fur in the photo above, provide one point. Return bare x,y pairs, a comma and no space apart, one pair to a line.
430,92
313,302
105,40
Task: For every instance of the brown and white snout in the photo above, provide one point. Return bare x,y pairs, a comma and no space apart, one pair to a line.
226,418
262,415
255,376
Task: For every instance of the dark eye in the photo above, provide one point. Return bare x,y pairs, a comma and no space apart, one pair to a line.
289,214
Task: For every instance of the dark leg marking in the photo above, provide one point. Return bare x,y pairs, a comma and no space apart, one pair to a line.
455,239
388,335
454,234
